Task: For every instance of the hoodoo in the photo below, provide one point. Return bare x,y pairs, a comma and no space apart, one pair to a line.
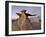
23,23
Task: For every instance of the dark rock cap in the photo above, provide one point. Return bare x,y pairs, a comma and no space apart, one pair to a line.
23,10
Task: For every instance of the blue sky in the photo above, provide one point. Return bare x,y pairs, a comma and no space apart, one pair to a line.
30,9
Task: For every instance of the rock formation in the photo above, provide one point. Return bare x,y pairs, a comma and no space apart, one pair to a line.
23,23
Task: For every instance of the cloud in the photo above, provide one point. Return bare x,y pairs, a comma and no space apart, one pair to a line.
15,17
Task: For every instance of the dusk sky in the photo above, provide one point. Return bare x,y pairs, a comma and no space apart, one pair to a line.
30,9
